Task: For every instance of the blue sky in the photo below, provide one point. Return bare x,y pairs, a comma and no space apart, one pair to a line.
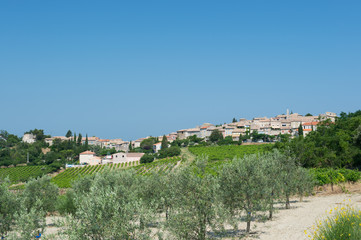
129,69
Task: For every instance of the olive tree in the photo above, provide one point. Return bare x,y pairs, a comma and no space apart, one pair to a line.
28,222
8,207
271,168
288,179
304,182
195,207
40,193
110,209
243,187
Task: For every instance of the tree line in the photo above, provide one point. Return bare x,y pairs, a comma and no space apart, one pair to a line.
334,144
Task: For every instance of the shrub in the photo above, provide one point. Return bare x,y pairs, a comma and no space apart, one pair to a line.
147,158
344,223
169,152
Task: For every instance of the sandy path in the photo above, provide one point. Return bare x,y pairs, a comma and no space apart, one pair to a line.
291,223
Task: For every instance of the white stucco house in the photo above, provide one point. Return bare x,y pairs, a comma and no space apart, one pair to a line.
29,138
89,158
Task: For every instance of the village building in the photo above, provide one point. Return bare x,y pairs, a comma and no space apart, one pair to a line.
157,147
124,157
29,138
309,127
89,158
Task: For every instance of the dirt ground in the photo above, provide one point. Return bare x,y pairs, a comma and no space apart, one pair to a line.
291,223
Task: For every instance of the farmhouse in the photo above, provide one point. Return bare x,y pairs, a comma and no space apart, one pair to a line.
125,157
89,158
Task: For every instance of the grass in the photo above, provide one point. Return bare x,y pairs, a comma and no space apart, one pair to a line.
342,222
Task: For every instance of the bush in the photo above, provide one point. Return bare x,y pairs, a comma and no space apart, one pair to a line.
324,176
147,158
350,175
169,152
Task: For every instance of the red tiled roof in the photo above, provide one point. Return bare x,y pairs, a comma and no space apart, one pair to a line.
310,124
87,153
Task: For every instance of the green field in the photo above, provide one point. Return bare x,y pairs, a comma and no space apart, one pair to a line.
228,151
22,174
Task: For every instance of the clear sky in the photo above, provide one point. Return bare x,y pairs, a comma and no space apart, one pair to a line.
129,69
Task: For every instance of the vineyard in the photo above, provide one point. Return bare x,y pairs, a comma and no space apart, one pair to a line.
22,174
64,179
161,166
227,152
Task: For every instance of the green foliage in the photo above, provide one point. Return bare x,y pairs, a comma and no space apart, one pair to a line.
227,141
106,151
243,187
147,158
8,206
110,209
228,151
324,176
40,194
195,208
300,130
170,152
28,223
39,133
79,140
215,136
8,140
68,134
164,143
23,174
86,144
66,203
147,144
342,223
331,145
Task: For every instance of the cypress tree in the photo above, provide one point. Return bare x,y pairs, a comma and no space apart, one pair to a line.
79,139
74,137
164,142
300,130
86,142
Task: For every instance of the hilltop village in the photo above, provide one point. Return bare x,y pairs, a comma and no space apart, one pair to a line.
289,124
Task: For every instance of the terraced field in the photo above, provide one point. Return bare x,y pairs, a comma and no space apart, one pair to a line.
22,174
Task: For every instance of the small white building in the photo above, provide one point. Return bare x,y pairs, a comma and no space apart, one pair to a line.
89,158
157,147
29,138
125,157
